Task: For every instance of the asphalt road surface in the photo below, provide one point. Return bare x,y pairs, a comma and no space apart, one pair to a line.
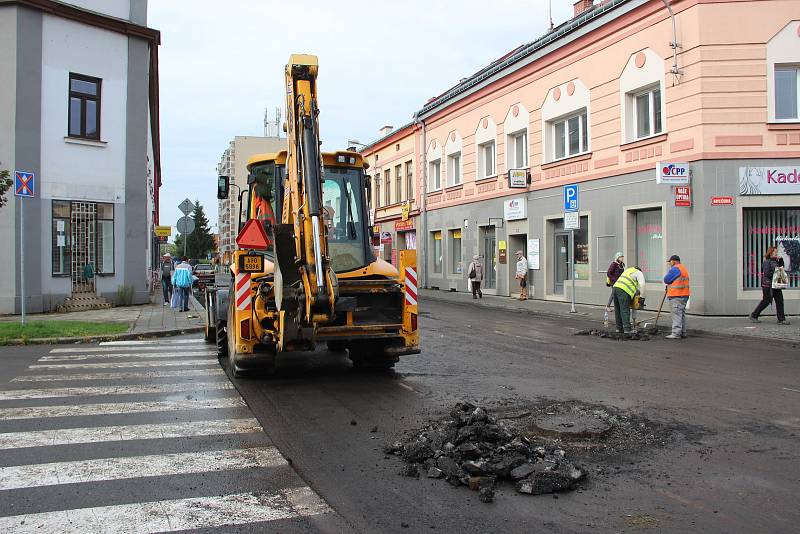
146,437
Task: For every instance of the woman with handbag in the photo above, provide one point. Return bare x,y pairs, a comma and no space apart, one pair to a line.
476,276
773,280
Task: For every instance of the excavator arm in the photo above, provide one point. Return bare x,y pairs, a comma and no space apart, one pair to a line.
305,285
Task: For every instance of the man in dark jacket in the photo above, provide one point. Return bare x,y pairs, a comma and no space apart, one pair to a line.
614,270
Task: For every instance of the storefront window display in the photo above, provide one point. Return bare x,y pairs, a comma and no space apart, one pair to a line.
437,252
649,238
455,251
771,227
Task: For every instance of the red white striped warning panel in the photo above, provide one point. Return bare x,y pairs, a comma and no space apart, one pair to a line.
243,291
411,286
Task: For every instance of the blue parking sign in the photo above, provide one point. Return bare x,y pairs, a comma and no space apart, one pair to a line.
24,184
570,198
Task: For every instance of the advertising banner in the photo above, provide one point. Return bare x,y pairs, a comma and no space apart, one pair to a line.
769,181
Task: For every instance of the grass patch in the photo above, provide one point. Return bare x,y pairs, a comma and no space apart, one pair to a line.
10,332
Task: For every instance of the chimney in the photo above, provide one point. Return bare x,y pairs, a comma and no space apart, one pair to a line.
386,130
581,6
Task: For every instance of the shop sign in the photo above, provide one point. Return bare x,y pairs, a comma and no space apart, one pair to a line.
533,254
514,209
376,229
683,196
386,237
163,231
769,180
404,225
405,210
502,249
672,173
518,178
722,201
572,220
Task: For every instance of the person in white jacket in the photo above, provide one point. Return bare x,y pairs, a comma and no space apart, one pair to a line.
475,271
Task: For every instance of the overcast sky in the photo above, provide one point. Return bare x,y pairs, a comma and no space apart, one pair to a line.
221,65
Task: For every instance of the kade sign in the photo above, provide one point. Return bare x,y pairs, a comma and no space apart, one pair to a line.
769,181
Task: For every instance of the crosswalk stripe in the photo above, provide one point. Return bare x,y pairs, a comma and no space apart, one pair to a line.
98,356
112,365
112,390
122,376
73,436
84,348
173,515
103,469
77,410
151,342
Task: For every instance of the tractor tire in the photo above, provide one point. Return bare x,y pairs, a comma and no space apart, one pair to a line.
337,346
221,337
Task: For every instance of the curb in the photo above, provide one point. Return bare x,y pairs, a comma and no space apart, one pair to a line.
97,339
586,316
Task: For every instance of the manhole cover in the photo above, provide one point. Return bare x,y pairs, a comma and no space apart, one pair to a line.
569,426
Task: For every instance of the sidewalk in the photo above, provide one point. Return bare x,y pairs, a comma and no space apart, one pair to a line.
145,320
740,327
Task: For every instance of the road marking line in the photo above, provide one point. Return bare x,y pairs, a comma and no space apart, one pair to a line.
79,410
73,436
151,342
80,348
113,365
78,357
113,390
174,515
122,376
154,465
791,389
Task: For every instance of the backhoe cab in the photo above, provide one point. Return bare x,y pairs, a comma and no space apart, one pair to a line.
304,271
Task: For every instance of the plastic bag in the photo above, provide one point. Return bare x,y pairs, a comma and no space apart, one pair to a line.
176,298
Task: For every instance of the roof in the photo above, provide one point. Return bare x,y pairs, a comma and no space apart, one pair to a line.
519,54
387,136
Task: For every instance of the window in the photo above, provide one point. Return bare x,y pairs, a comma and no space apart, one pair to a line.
398,180
765,227
571,135
84,106
787,96
486,160
437,252
455,251
582,250
435,171
387,178
518,150
647,112
454,169
649,251
61,249
409,180
105,238
378,190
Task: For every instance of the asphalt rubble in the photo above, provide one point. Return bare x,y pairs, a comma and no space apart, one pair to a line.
473,448
639,335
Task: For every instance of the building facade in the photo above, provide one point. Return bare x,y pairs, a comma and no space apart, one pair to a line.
79,109
682,136
233,163
392,175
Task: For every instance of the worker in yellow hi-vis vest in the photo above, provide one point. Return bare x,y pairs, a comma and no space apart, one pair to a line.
629,284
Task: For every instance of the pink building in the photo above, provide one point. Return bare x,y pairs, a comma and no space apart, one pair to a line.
635,101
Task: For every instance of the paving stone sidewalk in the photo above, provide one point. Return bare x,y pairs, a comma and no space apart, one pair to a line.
767,329
145,319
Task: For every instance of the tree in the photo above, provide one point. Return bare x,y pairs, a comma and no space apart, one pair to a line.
200,242
5,185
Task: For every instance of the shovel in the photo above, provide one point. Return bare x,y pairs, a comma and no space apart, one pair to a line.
653,329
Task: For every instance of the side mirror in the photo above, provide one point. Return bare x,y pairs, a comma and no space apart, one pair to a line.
223,187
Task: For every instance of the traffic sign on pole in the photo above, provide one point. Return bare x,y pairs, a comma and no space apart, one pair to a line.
24,187
186,207
24,184
571,197
185,225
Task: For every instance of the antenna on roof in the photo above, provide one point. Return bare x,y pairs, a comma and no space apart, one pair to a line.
550,13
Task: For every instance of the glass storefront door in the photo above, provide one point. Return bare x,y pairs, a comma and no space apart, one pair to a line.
561,259
489,254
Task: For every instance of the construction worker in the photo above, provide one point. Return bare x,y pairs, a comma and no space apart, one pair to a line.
677,280
629,284
521,274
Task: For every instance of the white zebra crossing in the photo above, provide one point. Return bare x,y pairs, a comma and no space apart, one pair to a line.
74,436
98,356
19,394
174,515
38,412
211,371
116,365
151,342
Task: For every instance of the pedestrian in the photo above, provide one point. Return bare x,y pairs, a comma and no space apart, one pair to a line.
476,276
612,274
182,281
166,277
678,292
772,268
629,284
522,275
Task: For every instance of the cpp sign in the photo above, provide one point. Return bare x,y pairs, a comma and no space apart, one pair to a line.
672,173
570,198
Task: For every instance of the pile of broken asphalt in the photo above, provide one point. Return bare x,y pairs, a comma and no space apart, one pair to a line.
472,448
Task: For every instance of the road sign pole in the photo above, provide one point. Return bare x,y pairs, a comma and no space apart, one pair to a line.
572,266
22,256
185,237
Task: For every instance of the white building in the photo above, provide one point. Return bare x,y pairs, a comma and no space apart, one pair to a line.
79,108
